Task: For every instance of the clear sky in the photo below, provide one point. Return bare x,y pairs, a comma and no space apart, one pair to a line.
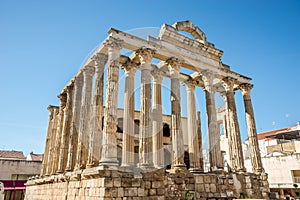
43,44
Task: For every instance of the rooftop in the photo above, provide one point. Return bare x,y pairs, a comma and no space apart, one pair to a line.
288,133
15,155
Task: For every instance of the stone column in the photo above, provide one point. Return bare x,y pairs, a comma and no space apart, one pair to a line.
128,123
177,137
95,138
145,139
47,152
76,107
215,156
193,142
63,100
227,131
158,148
83,136
64,146
199,133
52,140
234,140
252,134
109,139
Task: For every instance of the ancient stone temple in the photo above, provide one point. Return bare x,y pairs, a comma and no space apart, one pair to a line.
88,157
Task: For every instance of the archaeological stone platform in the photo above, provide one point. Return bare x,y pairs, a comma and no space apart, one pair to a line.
85,159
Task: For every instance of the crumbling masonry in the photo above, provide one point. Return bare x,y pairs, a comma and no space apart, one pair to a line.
81,159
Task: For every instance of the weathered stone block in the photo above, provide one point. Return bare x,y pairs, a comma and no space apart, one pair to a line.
131,192
147,184
200,187
120,192
125,182
207,187
136,182
141,192
152,192
206,179
160,191
213,187
117,182
157,184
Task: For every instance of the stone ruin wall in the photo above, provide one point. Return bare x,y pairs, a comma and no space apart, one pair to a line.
114,184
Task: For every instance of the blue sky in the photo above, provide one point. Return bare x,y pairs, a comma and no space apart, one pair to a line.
43,44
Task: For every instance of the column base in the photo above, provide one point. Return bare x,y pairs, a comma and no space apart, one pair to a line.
177,168
196,170
59,172
89,166
109,162
146,166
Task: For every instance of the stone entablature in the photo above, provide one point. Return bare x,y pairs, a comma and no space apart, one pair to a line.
79,148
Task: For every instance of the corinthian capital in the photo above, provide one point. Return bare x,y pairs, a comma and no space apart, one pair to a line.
129,68
174,63
208,79
113,43
190,84
52,111
99,59
228,83
157,75
246,88
63,99
145,55
88,70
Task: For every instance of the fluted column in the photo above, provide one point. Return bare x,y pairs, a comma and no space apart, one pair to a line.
64,146
128,118
227,130
252,134
199,133
158,150
109,139
74,129
52,140
234,139
215,156
63,99
47,152
177,137
83,136
193,142
95,138
145,139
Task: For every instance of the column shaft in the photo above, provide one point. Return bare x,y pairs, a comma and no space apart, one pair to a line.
145,147
234,139
64,146
109,140
193,138
252,134
95,138
83,136
47,152
177,137
215,155
158,150
74,128
53,141
199,133
128,119
63,98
